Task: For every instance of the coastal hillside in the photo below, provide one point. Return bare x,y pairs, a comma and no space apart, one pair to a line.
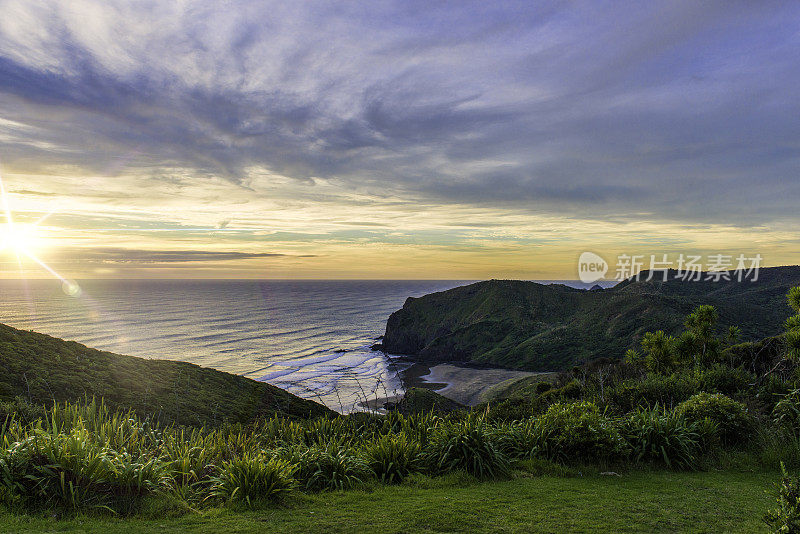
531,326
39,369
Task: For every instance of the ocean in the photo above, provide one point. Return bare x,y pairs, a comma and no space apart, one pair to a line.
310,337
283,332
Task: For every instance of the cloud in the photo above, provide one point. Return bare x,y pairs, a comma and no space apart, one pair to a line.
33,193
133,256
683,111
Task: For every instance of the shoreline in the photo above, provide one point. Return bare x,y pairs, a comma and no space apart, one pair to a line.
466,384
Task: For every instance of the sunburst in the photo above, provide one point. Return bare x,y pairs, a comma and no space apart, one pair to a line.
21,241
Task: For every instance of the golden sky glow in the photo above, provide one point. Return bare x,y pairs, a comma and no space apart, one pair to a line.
223,230
450,141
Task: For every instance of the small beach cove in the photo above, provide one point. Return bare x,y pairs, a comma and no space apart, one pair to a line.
468,385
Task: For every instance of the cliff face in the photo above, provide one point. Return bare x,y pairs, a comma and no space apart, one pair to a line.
526,325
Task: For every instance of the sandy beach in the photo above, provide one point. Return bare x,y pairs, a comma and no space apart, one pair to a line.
466,385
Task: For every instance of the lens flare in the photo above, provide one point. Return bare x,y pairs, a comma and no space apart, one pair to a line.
71,288
22,240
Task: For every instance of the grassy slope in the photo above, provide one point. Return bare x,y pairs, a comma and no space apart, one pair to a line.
539,327
41,369
521,387
421,400
636,502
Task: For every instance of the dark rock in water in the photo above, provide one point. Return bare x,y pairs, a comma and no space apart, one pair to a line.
378,338
539,327
377,346
596,287
339,351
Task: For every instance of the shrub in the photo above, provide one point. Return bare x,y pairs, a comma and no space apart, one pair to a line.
517,440
653,390
252,479
733,422
785,518
656,435
787,411
726,380
330,467
393,457
515,409
75,471
774,447
466,445
577,431
326,430
21,410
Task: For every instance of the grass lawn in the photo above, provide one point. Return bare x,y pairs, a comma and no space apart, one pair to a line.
642,501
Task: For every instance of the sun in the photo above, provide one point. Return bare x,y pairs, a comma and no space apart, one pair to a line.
23,239
20,239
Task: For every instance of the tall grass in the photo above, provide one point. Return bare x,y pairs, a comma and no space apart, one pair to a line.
393,457
468,446
84,456
252,479
657,435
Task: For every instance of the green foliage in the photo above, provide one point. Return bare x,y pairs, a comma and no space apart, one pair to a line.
421,400
393,457
542,467
541,327
633,358
733,335
792,338
652,390
252,479
786,412
466,445
331,467
577,431
656,435
660,352
793,297
731,417
785,517
45,370
20,409
572,390
508,410
724,379
792,325
517,440
74,470
698,344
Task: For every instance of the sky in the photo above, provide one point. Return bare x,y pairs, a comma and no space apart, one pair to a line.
380,139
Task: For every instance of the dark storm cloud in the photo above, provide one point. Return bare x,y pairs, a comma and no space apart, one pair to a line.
681,110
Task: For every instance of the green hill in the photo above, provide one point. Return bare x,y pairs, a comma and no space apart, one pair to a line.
42,369
422,400
526,325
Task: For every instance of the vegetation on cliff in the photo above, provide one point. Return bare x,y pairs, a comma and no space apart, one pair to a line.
39,370
531,326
